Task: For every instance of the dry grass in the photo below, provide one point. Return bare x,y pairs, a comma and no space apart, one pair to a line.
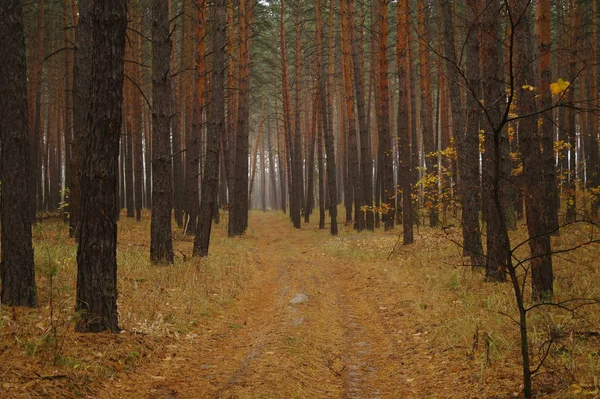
468,321
157,305
443,319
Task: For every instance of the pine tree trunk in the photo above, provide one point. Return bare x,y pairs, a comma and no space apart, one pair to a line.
428,134
138,129
310,166
357,182
571,133
593,167
326,116
68,131
96,254
287,123
404,151
366,164
298,178
497,242
238,216
383,112
179,197
272,174
17,269
161,243
467,141
533,161
216,129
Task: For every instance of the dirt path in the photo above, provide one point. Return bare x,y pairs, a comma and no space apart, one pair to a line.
304,328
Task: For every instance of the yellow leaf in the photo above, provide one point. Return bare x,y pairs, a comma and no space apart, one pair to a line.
528,87
559,86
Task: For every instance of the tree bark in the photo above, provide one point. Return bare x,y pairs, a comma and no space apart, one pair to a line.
161,243
366,163
497,242
533,160
467,140
238,216
96,254
328,135
404,151
383,114
357,182
431,189
17,269
216,129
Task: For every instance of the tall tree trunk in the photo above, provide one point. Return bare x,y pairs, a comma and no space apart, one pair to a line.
281,159
216,129
17,269
81,88
238,216
129,133
321,167
179,198
36,134
593,168
404,152
69,43
533,161
161,243
383,112
138,129
272,174
467,138
571,133
326,115
96,254
353,164
310,165
366,164
298,179
497,242
287,119
548,176
431,188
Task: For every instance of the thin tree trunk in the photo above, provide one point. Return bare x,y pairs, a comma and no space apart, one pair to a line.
272,174
404,151
426,109
383,112
353,163
326,115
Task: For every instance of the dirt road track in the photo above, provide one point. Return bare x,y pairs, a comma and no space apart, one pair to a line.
304,328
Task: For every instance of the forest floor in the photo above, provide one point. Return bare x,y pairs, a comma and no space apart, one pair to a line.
286,313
